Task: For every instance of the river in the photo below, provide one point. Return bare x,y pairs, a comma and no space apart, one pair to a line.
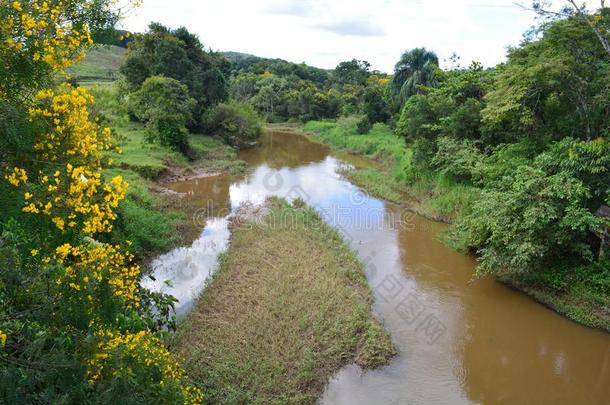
460,340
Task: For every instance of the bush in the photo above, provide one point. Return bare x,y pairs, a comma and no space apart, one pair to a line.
364,125
237,123
165,106
531,219
348,124
457,159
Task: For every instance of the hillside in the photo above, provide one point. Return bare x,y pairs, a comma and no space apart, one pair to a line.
101,64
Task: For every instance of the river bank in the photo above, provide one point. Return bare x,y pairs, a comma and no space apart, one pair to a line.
440,199
154,217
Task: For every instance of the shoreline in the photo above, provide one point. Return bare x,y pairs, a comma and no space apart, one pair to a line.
565,305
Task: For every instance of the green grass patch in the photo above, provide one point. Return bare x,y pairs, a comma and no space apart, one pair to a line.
441,198
289,306
102,63
380,140
376,183
141,217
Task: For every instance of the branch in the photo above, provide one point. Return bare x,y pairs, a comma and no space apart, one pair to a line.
583,15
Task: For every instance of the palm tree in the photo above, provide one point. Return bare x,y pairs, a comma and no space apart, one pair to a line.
415,67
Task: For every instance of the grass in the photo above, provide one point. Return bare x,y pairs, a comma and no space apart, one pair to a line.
289,306
142,219
102,63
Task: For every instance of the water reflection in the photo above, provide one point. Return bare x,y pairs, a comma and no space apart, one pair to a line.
188,268
460,340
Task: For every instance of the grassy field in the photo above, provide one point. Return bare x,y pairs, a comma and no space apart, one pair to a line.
102,63
289,306
392,178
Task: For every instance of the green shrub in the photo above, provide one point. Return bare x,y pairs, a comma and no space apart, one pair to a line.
165,106
457,158
531,219
364,125
237,123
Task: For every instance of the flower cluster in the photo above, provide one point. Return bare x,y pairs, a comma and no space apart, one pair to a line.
89,269
44,30
17,177
72,192
47,35
139,349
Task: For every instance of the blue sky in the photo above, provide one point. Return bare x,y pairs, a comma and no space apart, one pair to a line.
324,32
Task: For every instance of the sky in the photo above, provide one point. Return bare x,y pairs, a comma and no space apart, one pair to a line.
323,33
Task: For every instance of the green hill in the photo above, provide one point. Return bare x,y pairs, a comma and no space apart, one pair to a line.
101,64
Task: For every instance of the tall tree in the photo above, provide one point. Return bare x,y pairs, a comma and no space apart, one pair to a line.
415,68
354,72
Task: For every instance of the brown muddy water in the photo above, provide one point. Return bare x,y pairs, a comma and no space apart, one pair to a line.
460,340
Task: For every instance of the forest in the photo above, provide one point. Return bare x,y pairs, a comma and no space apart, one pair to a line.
514,157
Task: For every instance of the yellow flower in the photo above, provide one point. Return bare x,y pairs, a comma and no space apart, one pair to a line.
59,223
2,338
34,252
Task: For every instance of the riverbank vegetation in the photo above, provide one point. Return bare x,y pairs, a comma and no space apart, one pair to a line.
516,156
288,307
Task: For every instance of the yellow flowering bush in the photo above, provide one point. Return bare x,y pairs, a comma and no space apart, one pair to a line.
81,311
139,350
49,34
89,268
71,191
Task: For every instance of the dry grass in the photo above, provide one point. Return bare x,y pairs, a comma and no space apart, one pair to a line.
289,306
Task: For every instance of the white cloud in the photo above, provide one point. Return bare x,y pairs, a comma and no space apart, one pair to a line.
324,32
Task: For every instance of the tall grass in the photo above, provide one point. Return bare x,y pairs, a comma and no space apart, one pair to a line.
289,306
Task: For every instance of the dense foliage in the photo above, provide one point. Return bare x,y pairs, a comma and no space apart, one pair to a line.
531,134
179,55
283,91
237,123
165,106
75,324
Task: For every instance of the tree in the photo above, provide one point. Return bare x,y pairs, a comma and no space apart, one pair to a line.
552,86
375,105
598,23
179,54
415,68
354,72
165,106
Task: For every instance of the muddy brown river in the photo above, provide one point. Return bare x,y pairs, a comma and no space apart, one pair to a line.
461,340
